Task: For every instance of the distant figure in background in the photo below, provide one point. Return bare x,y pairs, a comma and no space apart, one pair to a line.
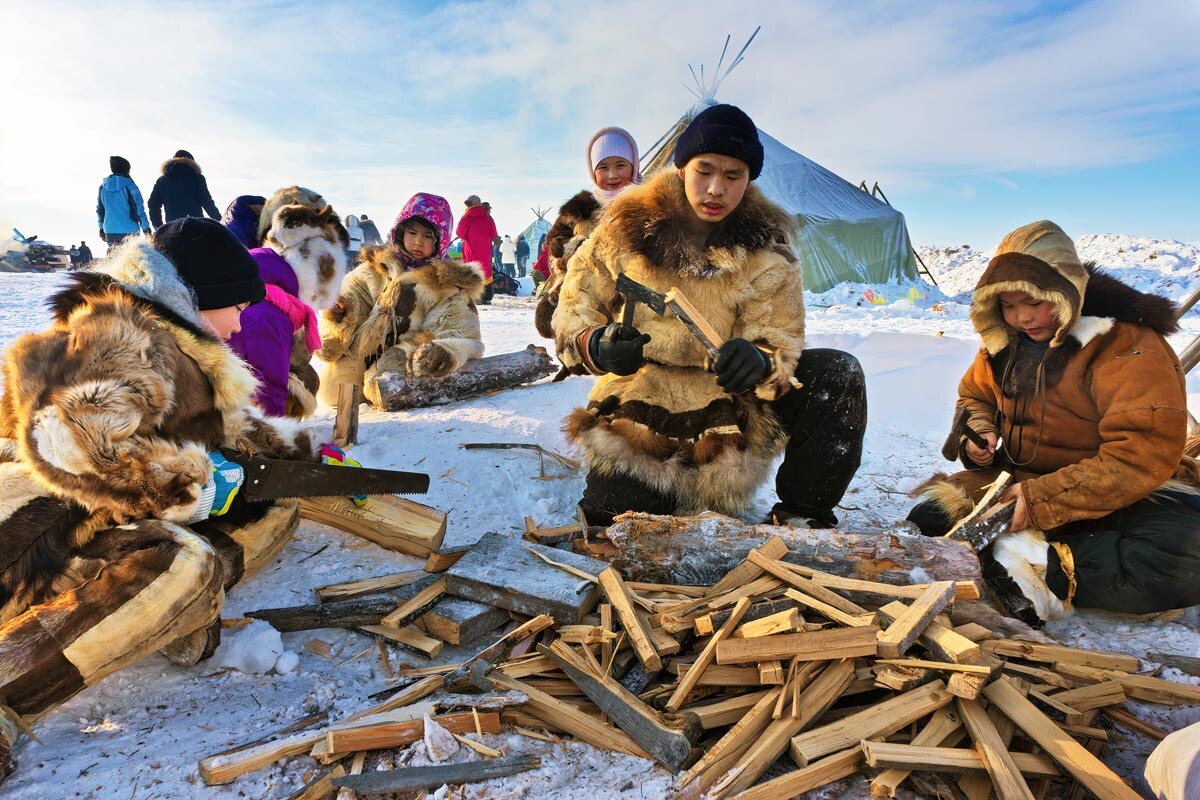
370,232
355,231
477,229
508,255
74,255
522,256
241,218
119,207
85,255
183,190
541,267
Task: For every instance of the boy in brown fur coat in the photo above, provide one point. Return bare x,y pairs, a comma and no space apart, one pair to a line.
1080,397
663,433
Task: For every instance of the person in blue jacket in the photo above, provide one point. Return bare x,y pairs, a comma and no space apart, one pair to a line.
183,189
120,211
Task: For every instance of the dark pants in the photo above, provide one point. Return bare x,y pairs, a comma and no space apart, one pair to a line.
488,294
114,239
825,421
522,261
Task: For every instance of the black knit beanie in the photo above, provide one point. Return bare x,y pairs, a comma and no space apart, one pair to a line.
725,130
118,166
211,261
184,154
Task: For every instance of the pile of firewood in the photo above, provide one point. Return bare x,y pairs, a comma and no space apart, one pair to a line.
715,682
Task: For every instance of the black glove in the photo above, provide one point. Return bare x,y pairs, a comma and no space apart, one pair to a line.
102,235
741,366
618,349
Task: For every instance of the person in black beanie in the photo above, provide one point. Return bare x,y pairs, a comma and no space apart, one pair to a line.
669,429
181,190
120,211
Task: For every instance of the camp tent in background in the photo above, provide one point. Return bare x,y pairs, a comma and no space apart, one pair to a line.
536,230
845,233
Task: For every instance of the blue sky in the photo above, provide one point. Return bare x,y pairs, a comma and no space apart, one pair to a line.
974,117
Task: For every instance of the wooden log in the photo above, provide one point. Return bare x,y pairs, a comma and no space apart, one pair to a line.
938,639
416,605
619,597
501,572
376,585
949,759
689,681
669,739
943,729
707,624
413,778
809,646
895,640
1056,654
344,614
410,639
445,559
700,550
1187,664
1071,756
993,752
377,736
796,783
345,424
393,391
391,522
877,721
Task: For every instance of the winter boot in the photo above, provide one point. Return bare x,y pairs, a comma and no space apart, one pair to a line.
789,517
1015,569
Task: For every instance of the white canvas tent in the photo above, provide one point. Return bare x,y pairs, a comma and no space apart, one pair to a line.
535,231
845,233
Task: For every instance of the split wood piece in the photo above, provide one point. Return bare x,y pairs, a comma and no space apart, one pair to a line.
795,784
877,721
1078,792
1182,663
1005,775
829,611
224,768
963,590
1084,732
950,759
410,639
784,572
1069,713
502,572
940,640
810,646
343,614
669,739
394,391
1125,719
943,729
606,646
814,701
1071,756
966,685
895,640
320,787
613,586
1037,674
667,588
727,711
1097,695
747,571
694,321
585,634
345,424
356,767
1055,654
972,669
730,747
399,734
978,785
457,621
410,779
382,583
1139,687
528,667
409,713
973,631
983,508
903,679
417,605
568,718
770,673
664,643
714,675
445,559
707,624
391,522
701,550
689,681
555,535
762,586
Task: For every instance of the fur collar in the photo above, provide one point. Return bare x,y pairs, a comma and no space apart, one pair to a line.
439,275
654,221
310,242
579,208
181,160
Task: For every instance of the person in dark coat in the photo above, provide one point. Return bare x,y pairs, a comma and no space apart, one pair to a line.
241,218
370,232
85,255
183,190
522,256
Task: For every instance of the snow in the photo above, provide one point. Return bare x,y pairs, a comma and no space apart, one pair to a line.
139,733
255,649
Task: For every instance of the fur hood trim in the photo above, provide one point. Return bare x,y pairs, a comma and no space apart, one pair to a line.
181,160
140,270
310,241
439,275
653,220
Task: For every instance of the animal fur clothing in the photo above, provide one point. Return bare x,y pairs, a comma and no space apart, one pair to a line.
576,220
670,426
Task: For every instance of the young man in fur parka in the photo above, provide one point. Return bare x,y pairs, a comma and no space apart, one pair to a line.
1081,398
406,308
662,433
106,425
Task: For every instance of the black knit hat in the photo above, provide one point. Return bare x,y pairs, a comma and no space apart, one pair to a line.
210,260
725,130
118,165
184,154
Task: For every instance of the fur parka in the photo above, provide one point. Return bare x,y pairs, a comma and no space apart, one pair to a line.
670,425
576,220
428,313
109,415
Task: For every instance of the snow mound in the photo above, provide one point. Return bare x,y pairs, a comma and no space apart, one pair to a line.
256,649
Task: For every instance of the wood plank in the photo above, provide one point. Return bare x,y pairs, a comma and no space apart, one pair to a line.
445,559
947,759
940,640
399,734
782,571
664,643
788,621
417,605
1054,654
826,610
1006,777
1097,695
796,783
410,639
613,586
943,729
1188,664
689,681
378,584
320,787
340,614
895,640
770,673
809,646
1125,719
877,721
978,785
391,522
1139,687
502,572
224,768
918,663
409,779
1071,756
744,573
973,631
730,747
963,590
707,624
728,710
745,677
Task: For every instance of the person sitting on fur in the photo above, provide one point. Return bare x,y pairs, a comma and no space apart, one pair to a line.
406,308
1081,398
120,524
662,432
612,159
302,261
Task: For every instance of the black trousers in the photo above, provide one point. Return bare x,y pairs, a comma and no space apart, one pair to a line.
825,421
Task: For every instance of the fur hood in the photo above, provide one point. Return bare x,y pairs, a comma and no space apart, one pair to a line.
439,275
653,220
142,271
310,242
581,210
169,166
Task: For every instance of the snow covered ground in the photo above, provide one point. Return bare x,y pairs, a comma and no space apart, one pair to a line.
139,734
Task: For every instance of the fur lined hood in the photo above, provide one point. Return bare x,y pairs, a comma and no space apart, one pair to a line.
310,241
141,271
439,275
653,220
174,165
